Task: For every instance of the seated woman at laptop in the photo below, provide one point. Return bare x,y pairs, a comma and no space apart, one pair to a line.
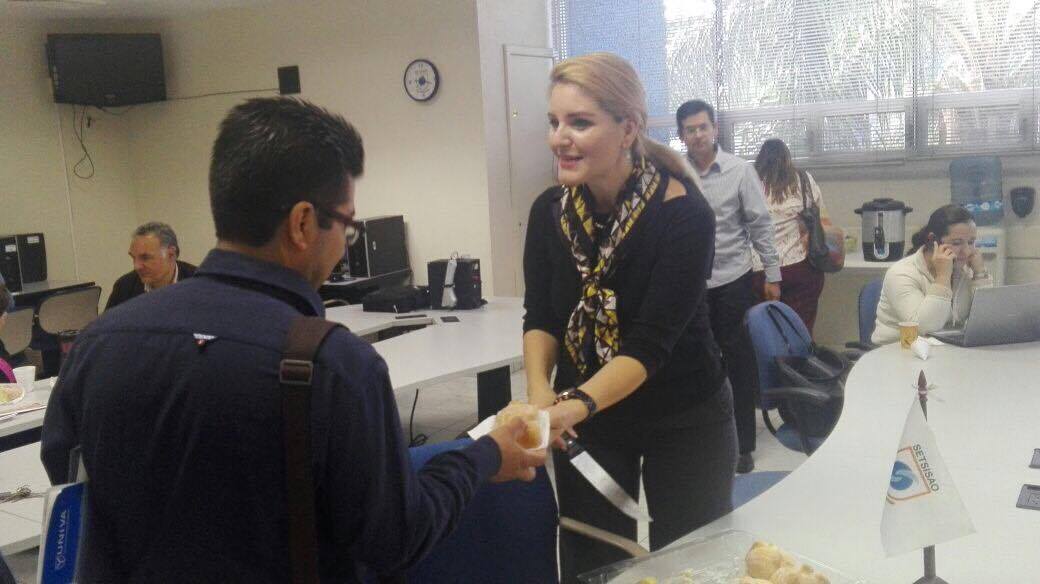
934,284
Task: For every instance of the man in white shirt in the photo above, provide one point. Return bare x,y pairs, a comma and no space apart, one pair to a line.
742,221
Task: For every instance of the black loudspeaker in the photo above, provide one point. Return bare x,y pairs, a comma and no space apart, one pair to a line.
288,80
32,257
9,266
467,283
381,249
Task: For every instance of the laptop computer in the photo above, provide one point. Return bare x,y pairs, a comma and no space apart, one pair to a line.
999,316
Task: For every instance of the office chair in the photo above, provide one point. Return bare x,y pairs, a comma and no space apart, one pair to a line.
6,576
69,311
16,335
775,331
869,296
506,534
482,549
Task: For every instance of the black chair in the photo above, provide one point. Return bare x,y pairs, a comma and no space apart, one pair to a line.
63,314
16,334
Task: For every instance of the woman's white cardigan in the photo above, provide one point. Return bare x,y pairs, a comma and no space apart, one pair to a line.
910,293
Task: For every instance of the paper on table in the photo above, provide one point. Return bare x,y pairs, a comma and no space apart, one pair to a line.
488,424
934,341
921,348
45,384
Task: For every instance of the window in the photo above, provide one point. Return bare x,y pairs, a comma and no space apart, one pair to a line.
839,80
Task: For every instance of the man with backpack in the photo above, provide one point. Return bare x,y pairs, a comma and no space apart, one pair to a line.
180,399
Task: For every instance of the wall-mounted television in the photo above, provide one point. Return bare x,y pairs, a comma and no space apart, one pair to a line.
106,69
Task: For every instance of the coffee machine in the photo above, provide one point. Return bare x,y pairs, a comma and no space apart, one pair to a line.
884,229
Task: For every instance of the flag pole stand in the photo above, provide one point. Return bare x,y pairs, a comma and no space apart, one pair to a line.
929,552
929,568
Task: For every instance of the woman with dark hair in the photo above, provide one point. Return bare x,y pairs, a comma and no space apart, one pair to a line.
788,191
934,284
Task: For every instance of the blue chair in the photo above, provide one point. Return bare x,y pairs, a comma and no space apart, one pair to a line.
775,331
506,534
6,577
869,296
747,486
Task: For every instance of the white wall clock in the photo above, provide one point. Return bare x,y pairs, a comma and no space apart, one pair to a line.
421,80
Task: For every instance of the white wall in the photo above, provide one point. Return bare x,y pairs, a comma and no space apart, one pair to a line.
34,195
426,161
504,23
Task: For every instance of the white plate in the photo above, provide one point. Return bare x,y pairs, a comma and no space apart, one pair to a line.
13,391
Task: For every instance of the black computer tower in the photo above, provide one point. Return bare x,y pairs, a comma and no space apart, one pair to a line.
381,249
467,283
9,266
32,257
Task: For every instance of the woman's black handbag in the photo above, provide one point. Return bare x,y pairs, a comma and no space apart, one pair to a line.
821,369
822,256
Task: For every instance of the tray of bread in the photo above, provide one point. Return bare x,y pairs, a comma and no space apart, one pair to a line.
728,557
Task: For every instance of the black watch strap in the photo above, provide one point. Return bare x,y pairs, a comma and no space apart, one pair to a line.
575,393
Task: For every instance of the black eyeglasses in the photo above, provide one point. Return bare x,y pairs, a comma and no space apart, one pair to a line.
351,229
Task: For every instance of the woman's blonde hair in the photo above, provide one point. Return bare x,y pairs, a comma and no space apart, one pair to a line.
614,85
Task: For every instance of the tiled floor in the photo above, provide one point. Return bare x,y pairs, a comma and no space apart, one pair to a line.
448,409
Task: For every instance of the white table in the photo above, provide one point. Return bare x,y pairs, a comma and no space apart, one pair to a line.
28,421
854,261
485,342
984,416
20,522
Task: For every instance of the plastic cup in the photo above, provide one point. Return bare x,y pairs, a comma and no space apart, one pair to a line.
26,377
908,333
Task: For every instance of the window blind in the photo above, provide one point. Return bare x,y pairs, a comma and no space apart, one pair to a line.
839,80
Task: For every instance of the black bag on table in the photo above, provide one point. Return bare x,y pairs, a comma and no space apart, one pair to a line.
396,299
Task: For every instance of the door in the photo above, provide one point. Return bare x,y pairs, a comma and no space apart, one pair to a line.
531,165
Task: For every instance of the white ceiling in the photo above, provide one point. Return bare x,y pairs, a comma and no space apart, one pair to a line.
47,9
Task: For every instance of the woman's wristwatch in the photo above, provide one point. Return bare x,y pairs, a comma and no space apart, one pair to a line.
575,393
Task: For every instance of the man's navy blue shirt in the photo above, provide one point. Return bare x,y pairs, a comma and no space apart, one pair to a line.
182,441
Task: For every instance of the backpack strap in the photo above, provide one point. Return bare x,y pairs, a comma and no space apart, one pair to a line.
295,374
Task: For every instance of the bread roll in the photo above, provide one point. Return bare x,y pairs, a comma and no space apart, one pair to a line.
532,437
763,559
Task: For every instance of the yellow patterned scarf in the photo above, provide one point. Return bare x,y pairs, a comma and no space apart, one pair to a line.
597,308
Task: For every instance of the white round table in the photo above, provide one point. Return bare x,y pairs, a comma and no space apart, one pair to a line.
984,413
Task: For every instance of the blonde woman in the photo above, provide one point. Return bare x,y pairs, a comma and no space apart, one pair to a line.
615,265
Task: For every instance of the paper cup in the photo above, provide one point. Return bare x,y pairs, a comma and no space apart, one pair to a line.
908,333
26,377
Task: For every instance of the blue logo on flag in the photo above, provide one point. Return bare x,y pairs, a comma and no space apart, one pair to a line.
902,477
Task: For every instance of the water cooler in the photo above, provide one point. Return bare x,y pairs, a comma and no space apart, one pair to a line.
992,242
976,183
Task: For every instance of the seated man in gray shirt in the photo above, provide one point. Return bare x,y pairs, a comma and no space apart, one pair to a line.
742,221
